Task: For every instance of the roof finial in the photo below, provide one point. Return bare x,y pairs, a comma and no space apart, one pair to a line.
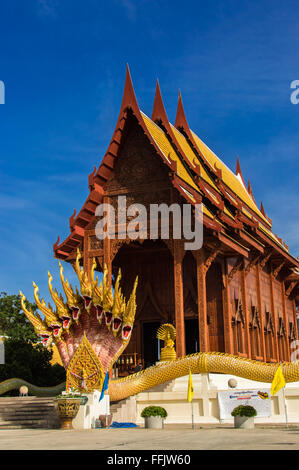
129,97
238,167
263,210
158,108
249,188
250,191
180,119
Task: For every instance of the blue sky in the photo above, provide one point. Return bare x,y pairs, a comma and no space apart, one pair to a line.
63,64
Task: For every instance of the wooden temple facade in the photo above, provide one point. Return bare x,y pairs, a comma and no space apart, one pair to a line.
238,293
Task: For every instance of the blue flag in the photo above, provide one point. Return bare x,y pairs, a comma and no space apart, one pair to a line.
105,385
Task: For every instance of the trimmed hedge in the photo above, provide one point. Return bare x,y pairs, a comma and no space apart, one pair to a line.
244,410
154,411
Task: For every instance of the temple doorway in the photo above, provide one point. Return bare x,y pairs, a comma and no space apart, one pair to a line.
192,336
151,345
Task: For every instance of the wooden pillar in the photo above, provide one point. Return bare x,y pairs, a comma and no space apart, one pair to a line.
245,310
227,318
204,343
286,322
260,306
178,256
295,318
275,345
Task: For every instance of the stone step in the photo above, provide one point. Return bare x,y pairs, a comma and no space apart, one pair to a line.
24,416
28,412
4,400
25,421
26,408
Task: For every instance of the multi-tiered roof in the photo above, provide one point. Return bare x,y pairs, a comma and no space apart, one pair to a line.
230,209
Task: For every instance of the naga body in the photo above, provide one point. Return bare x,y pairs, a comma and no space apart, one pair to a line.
210,362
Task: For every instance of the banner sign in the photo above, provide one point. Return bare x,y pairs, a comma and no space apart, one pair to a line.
259,399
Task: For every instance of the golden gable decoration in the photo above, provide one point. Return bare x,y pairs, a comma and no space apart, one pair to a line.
85,372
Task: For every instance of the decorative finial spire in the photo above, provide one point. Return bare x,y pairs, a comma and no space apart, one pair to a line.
158,108
238,167
129,97
180,119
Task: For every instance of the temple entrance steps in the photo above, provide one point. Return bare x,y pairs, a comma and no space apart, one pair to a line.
124,410
170,392
28,412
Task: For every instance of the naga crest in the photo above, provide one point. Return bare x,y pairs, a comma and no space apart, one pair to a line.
95,322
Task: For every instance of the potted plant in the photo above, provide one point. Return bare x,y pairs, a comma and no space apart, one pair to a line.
154,417
68,404
244,416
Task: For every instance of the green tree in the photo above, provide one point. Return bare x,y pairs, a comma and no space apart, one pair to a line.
25,357
13,322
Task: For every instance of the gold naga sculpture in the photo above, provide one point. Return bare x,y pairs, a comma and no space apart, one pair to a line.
90,330
167,334
93,327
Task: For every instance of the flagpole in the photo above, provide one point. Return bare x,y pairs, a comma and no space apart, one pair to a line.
190,395
284,401
285,407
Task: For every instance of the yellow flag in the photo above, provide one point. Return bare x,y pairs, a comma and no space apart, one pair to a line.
190,388
278,381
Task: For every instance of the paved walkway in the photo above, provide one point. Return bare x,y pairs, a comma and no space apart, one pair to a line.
172,437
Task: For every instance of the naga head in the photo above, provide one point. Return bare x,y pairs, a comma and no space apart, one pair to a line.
62,309
129,314
97,293
51,319
74,300
85,283
40,327
118,307
107,302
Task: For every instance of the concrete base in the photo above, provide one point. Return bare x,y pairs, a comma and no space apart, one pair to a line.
205,401
153,422
243,422
91,411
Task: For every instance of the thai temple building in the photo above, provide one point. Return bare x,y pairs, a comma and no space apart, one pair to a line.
238,293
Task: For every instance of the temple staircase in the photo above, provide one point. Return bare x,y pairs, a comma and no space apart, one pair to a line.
125,410
28,413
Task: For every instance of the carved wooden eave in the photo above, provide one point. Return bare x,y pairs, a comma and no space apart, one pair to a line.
252,263
266,258
291,287
278,268
211,257
251,241
271,243
238,266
